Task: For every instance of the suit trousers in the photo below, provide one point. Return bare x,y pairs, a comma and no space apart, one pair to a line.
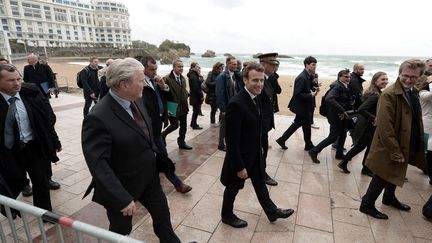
337,132
174,124
429,164
154,200
376,186
266,127
195,113
31,159
302,121
261,191
171,176
87,104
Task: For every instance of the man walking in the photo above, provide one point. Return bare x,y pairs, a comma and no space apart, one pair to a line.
356,84
301,104
90,82
39,74
179,94
244,157
398,140
118,146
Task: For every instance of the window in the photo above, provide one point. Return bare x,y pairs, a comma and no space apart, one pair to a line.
60,15
4,21
17,22
5,27
32,10
59,32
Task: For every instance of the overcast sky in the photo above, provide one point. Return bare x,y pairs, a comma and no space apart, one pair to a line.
316,27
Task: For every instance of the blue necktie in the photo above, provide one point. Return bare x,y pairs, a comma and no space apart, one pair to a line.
9,136
158,96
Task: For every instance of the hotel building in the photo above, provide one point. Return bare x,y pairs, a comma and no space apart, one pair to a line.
66,23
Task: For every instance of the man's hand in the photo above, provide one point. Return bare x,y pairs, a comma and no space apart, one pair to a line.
160,81
242,174
129,210
343,116
93,96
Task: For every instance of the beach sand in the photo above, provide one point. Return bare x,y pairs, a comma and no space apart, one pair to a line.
66,78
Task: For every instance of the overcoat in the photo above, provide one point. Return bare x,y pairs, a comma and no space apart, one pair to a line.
179,93
391,140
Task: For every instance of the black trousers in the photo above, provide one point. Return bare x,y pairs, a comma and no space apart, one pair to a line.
30,158
221,130
154,200
213,113
195,113
87,104
303,121
429,163
261,191
356,150
174,124
376,186
337,132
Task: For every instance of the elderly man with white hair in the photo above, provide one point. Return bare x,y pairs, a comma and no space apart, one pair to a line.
39,74
118,147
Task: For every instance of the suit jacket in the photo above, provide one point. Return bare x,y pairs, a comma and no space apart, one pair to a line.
338,100
179,93
273,80
38,74
301,102
196,93
119,155
42,120
243,140
152,106
267,102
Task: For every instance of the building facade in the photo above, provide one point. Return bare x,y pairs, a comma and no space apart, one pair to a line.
66,23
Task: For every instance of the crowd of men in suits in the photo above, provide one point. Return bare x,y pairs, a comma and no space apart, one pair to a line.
124,137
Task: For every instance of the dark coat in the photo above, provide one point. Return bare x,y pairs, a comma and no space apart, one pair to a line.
211,85
356,84
273,80
179,93
266,98
103,88
302,99
151,103
338,100
38,74
195,91
364,128
225,89
90,81
42,120
392,137
118,154
243,140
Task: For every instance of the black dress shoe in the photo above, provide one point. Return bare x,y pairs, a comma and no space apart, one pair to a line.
281,143
396,204
185,146
27,192
309,147
223,148
270,181
197,127
313,156
339,156
14,212
366,171
235,222
280,213
53,185
343,165
372,211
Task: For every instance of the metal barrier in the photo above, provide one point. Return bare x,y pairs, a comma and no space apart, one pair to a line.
23,210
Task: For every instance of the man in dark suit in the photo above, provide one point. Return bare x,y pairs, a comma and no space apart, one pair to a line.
269,62
155,93
119,150
90,82
301,104
39,74
179,94
29,141
244,157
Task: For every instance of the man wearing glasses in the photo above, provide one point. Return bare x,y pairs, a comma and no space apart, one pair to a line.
339,101
398,140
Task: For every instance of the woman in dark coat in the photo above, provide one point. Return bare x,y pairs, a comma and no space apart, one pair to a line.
196,95
210,83
365,126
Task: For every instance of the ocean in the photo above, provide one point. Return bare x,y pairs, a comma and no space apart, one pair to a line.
327,67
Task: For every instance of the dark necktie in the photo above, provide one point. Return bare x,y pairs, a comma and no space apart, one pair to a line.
9,136
179,80
255,100
139,119
158,96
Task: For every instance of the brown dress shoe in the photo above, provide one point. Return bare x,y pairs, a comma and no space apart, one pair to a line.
183,188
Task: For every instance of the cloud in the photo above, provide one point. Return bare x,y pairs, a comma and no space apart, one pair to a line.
227,4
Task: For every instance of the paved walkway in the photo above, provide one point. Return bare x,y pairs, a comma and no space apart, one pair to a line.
325,200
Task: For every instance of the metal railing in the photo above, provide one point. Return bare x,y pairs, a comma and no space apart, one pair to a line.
15,209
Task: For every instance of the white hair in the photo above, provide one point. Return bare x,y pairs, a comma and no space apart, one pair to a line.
122,70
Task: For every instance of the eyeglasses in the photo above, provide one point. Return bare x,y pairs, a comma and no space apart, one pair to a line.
412,78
